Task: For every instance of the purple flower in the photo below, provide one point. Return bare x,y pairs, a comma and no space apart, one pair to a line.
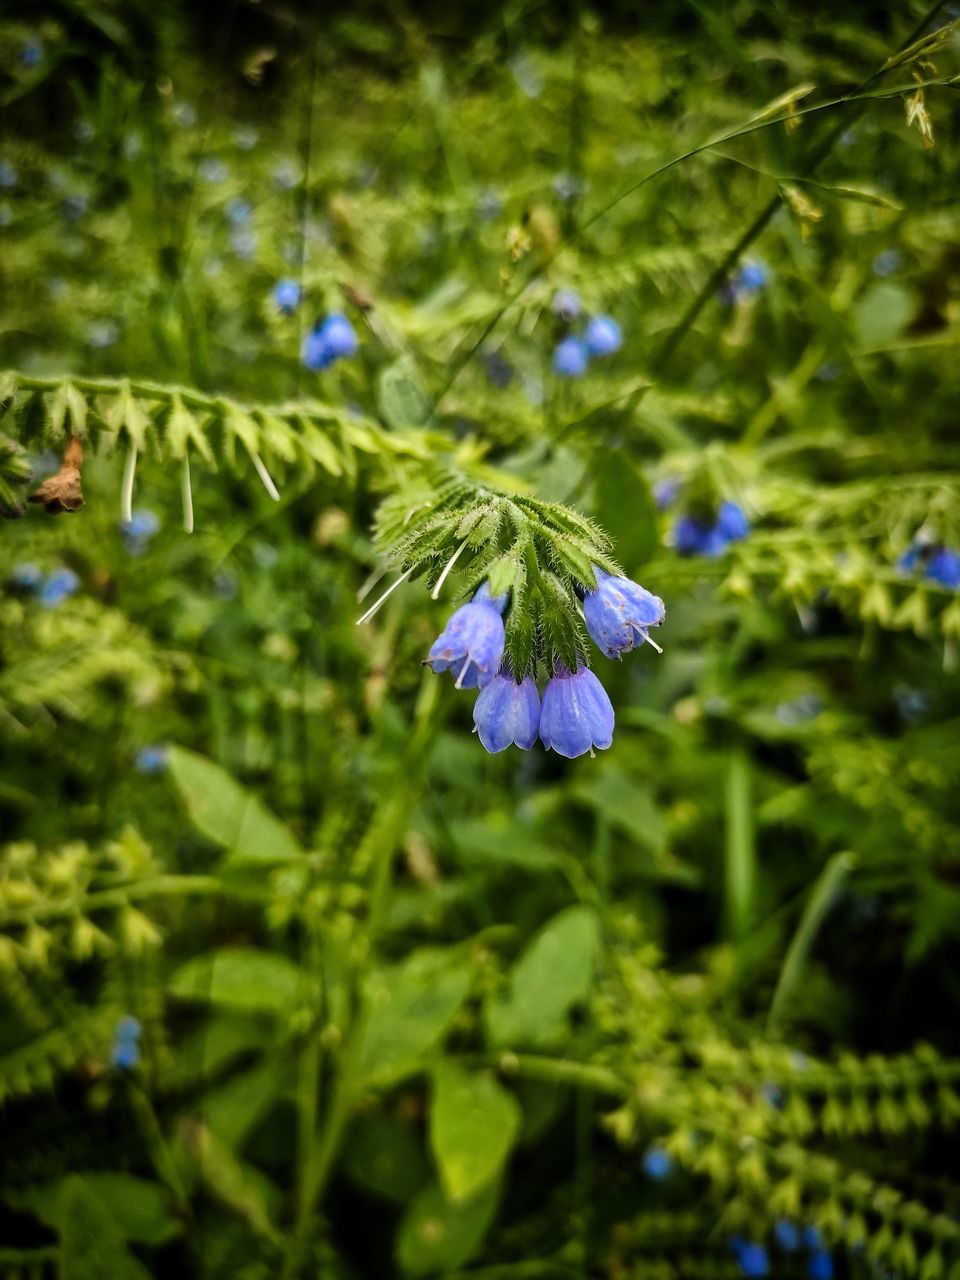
507,712
576,715
619,612
570,358
286,294
603,336
470,646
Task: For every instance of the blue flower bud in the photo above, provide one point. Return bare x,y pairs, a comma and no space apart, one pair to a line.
619,612
820,1266
470,646
657,1163
570,358
286,294
507,712
786,1235
58,586
316,354
340,337
566,304
732,522
752,278
603,336
125,1053
576,714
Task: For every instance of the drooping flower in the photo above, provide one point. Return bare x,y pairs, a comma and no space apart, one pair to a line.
333,339
470,646
619,612
695,537
603,336
58,586
753,1259
576,714
820,1266
151,759
936,563
138,530
507,712
752,277
570,358
732,521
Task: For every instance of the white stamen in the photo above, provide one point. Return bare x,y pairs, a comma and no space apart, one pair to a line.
264,475
435,593
653,644
187,495
389,591
126,489
463,672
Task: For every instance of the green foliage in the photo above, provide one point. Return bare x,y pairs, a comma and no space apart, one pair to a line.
399,1007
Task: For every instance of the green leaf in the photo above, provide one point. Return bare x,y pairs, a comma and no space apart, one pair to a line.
234,1108
92,1245
474,1122
141,1209
227,814
242,978
401,398
129,415
553,974
623,504
238,1185
882,313
740,852
409,1008
383,1154
438,1236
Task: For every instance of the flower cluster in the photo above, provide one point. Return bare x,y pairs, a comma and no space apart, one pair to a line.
602,337
334,338
51,589
754,1260
575,715
696,537
934,562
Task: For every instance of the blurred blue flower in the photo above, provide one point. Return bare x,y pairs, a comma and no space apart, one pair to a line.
753,1259
887,262
212,169
286,294
60,584
332,339
576,715
666,492
567,187
801,710
132,145
74,206
603,336
507,712
185,114
528,78
566,304
239,210
245,137
913,704
84,132
243,242
8,175
786,1235
772,1095
938,563
151,759
619,612
693,537
470,646
570,358
657,1163
138,530
752,277
102,334
499,370
286,174
27,577
820,1266
812,1237
489,205
125,1053
31,51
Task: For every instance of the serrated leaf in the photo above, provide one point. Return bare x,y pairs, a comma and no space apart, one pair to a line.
319,447
76,409
554,972
242,978
182,429
227,814
474,1122
128,415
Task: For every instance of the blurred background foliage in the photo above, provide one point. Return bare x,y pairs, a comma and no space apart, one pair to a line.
298,981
